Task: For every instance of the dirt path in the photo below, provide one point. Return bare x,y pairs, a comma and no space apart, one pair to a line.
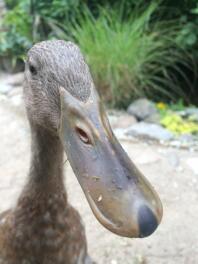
175,241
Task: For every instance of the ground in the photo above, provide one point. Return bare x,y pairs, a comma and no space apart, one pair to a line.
176,239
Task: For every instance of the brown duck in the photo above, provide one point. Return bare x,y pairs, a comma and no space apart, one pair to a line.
65,113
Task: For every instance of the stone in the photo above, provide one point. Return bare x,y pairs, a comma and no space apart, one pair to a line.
186,138
150,131
124,121
142,108
154,118
194,118
191,112
176,143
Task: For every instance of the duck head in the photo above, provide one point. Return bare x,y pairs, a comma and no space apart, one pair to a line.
60,95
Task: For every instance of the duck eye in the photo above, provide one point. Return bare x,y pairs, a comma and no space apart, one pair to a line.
83,135
32,69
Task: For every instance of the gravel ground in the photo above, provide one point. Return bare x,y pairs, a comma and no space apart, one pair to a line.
172,171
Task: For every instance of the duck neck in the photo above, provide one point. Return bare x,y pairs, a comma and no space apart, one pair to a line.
46,171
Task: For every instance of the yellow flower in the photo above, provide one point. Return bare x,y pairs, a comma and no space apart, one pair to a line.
161,106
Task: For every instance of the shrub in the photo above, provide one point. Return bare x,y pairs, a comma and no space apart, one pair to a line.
133,57
132,51
30,21
15,33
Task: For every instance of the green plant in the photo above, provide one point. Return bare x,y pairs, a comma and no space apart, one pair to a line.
187,12
30,21
15,32
134,57
179,125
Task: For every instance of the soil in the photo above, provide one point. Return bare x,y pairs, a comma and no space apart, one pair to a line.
176,239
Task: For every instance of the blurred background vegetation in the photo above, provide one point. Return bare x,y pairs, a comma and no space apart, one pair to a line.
134,48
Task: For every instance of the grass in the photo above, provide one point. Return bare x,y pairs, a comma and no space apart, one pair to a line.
132,57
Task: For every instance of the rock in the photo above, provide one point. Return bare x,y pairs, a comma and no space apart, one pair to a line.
142,109
123,121
176,144
154,118
191,112
186,138
194,118
192,163
151,131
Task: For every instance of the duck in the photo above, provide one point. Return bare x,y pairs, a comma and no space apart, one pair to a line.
66,115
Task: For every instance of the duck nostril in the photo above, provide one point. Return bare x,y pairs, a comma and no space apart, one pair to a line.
147,221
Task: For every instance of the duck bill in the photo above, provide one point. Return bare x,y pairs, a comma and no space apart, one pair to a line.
119,195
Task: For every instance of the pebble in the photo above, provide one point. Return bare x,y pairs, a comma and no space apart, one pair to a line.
152,131
123,121
142,108
154,118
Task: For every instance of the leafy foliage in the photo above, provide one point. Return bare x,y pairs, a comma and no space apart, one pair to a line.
131,58
15,34
189,34
30,21
171,118
131,50
178,125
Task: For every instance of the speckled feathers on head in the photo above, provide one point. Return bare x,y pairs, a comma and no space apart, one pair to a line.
50,65
64,64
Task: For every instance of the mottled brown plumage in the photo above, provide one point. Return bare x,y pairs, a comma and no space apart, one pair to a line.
65,113
43,228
